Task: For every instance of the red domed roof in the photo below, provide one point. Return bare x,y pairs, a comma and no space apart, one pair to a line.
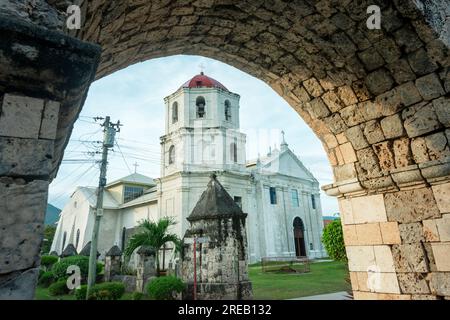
203,81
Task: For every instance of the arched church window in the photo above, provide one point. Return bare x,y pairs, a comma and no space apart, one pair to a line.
64,240
233,152
313,201
200,103
172,154
174,112
124,233
227,110
77,238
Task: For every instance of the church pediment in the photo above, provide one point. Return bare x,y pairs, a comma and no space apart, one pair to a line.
287,163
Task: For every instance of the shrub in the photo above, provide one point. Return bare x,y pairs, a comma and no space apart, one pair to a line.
99,268
137,295
46,279
58,288
60,268
107,291
333,240
164,288
48,261
101,295
80,293
102,291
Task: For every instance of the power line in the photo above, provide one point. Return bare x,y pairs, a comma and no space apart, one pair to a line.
59,195
126,163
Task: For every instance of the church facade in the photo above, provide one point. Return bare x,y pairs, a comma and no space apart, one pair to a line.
202,136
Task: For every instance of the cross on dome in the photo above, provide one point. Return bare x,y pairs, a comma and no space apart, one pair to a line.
202,68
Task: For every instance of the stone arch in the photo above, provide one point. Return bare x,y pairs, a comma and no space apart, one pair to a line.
377,99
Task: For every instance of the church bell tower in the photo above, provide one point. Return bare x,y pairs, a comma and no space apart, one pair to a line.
202,129
201,136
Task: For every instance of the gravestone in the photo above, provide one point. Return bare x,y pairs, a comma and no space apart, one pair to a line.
86,251
145,267
69,251
218,227
112,262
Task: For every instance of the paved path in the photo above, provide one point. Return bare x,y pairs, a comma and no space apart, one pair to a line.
342,295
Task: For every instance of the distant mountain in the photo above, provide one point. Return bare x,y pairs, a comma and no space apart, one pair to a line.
51,215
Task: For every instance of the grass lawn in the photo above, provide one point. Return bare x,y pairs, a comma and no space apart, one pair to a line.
324,277
42,294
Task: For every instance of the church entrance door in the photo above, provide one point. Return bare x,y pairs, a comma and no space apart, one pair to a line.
299,239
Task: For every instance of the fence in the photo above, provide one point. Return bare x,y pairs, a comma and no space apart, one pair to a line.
285,264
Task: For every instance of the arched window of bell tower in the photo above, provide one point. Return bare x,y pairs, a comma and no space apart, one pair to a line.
227,110
174,112
233,152
201,107
172,154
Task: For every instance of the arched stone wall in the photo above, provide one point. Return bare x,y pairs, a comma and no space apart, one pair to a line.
377,99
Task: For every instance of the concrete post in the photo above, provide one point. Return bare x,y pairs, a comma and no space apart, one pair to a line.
113,261
146,267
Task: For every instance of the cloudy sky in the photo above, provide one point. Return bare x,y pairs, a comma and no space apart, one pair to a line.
135,97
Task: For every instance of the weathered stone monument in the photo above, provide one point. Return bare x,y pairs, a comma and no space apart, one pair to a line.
69,251
145,267
218,236
113,259
86,251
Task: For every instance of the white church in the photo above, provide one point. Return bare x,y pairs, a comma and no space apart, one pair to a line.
280,196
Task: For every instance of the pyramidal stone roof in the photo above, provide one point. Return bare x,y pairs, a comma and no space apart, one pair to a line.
69,251
86,251
215,202
114,252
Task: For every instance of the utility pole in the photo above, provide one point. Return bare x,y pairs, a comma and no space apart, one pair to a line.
109,130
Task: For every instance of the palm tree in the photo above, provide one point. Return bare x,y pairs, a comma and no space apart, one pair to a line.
154,235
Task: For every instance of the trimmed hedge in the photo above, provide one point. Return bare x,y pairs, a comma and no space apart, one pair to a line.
60,268
333,241
48,261
80,293
46,279
164,288
102,291
58,288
